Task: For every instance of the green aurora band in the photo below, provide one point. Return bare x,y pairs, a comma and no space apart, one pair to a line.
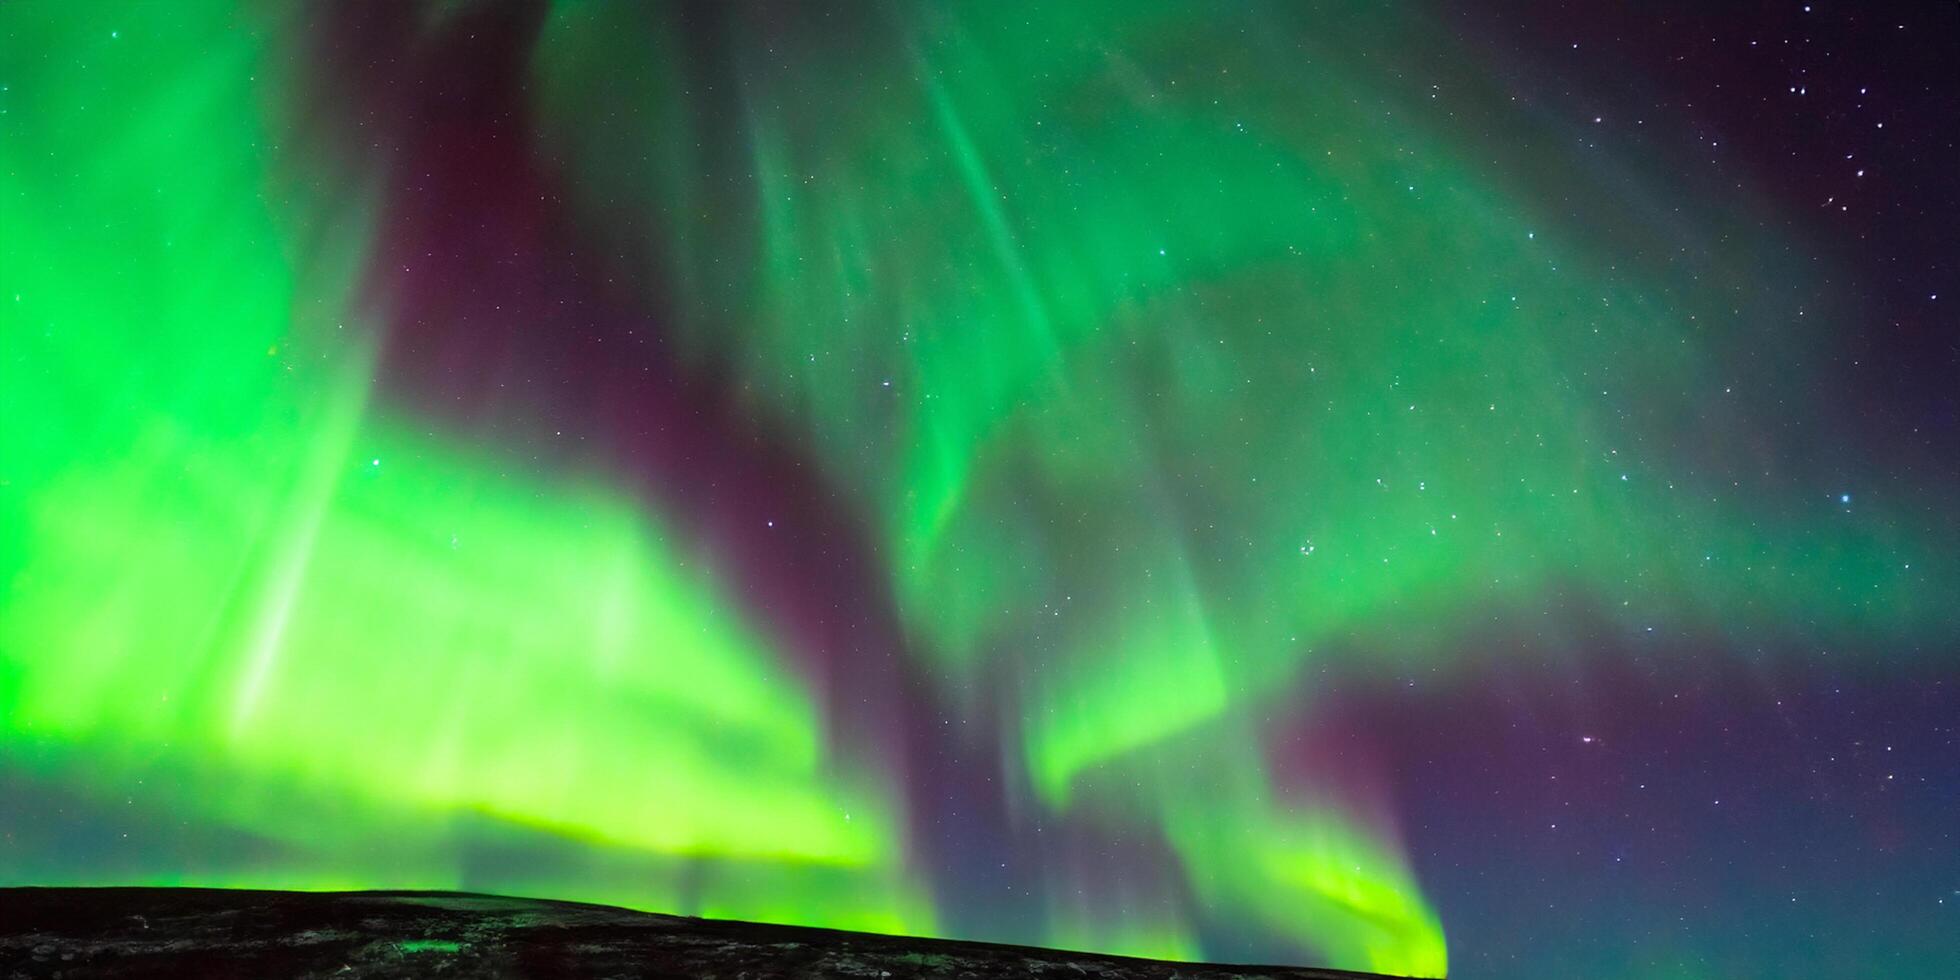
226,565
1173,370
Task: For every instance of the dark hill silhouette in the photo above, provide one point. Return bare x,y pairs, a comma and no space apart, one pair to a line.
81,933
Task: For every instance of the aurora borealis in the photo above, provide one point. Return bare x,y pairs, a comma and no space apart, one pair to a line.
1368,485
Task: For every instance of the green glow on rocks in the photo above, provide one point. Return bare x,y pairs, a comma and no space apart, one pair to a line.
429,946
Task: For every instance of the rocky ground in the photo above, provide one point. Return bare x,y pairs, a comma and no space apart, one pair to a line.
78,933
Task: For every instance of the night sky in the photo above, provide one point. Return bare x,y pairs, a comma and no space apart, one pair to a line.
1390,486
